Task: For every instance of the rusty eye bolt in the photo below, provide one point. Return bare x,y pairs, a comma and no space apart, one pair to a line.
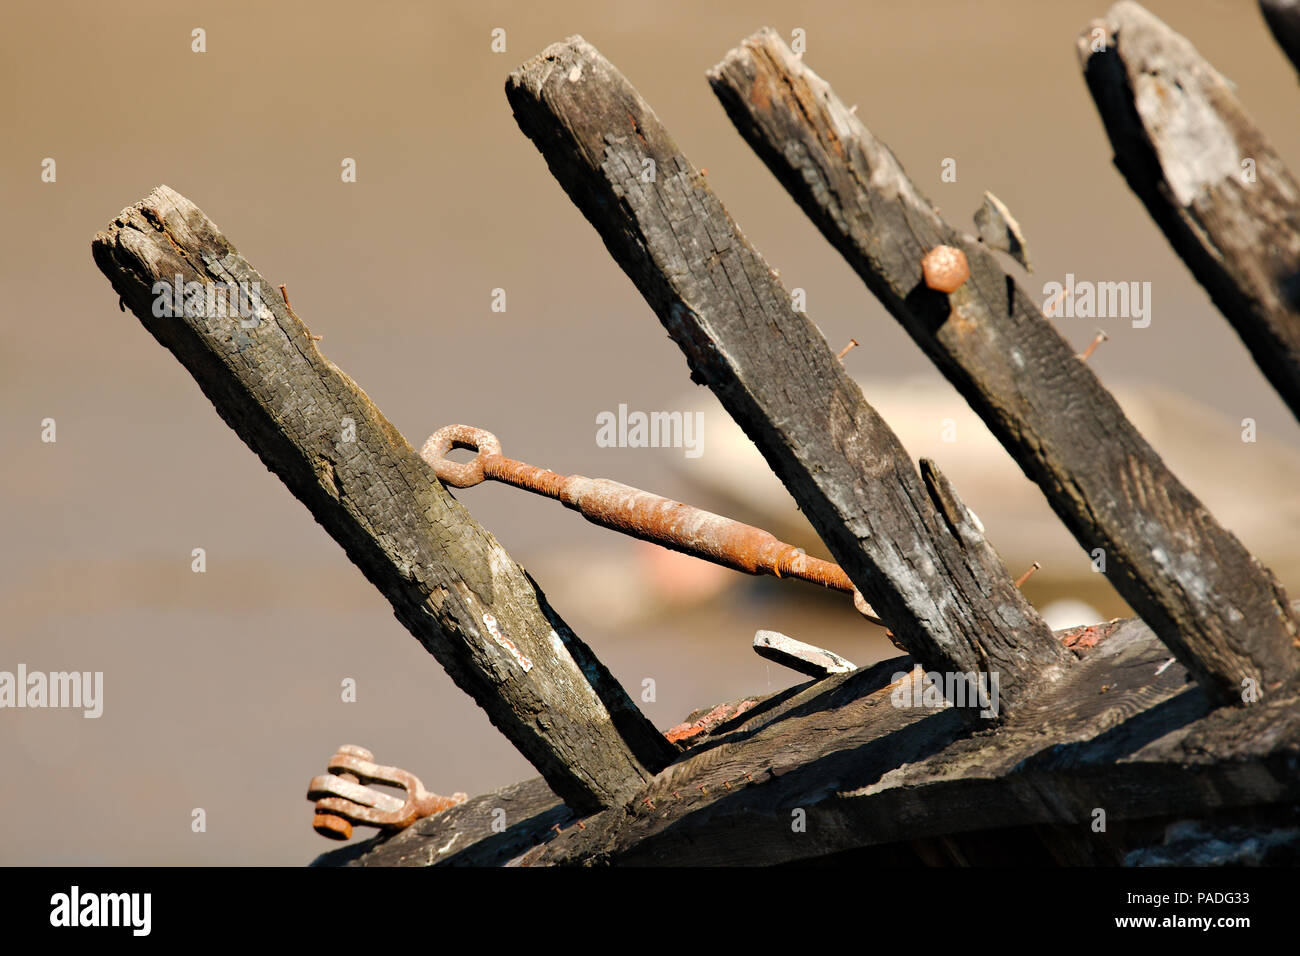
640,514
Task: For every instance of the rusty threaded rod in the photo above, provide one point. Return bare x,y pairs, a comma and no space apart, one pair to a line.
649,517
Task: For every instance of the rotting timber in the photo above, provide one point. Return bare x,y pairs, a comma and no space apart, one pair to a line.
1105,725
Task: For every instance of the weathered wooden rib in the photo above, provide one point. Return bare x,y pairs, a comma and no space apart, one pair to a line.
1209,178
450,582
925,569
1223,615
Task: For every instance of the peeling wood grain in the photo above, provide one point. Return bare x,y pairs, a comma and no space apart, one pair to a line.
1000,230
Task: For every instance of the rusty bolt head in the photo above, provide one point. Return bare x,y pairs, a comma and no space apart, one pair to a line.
334,827
945,269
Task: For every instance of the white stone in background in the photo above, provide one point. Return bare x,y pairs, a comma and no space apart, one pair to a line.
1068,613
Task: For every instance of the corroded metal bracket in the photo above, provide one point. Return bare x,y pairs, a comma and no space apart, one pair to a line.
344,799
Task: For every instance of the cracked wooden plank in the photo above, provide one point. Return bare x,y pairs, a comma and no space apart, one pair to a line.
450,582
1225,616
953,605
1209,178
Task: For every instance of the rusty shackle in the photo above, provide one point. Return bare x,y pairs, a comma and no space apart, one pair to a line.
638,513
343,797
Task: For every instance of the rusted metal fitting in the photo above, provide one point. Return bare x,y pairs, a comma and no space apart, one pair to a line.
343,799
945,269
638,513
454,473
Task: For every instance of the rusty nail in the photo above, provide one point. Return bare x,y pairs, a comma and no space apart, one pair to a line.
853,343
640,514
702,789
285,293
727,784
581,825
1092,346
1028,574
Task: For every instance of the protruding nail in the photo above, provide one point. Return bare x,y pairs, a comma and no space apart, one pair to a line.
1092,346
1028,574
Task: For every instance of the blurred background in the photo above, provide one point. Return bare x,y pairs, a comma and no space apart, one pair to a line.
222,689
